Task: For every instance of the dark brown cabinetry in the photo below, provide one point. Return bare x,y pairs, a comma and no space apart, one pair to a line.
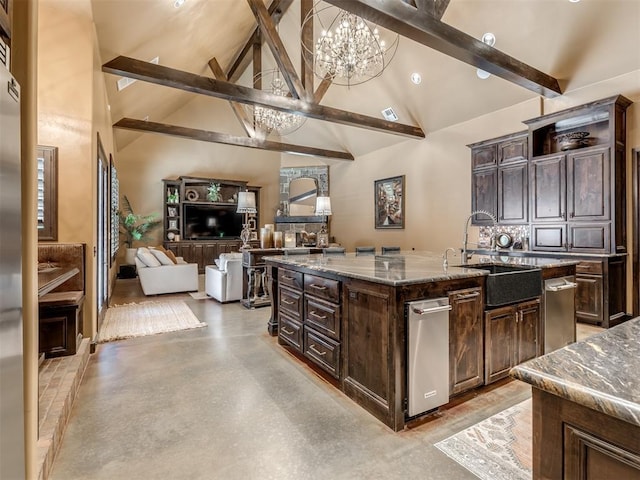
309,317
577,179
511,337
601,297
499,179
188,197
466,343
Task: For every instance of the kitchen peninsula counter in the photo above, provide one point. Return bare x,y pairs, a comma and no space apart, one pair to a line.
586,402
344,314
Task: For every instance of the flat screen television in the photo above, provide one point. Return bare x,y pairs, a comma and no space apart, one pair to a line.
208,222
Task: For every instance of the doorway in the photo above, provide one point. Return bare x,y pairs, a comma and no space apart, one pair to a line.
102,234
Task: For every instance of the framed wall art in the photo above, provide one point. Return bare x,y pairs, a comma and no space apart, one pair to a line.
389,202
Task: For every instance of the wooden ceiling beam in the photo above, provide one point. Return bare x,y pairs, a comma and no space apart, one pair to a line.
242,61
425,29
215,137
306,55
190,82
273,40
237,108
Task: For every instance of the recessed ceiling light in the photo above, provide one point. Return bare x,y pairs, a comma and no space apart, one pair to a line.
178,3
574,1
416,78
489,38
482,74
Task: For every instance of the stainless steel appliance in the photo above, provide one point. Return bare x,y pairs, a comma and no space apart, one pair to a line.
428,354
11,371
559,312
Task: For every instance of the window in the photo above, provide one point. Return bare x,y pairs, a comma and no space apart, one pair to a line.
47,193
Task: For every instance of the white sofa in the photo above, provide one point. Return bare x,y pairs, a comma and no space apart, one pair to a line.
223,281
164,276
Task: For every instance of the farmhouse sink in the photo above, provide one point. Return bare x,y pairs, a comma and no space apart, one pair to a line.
507,284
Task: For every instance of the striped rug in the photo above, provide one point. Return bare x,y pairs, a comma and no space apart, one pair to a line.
147,318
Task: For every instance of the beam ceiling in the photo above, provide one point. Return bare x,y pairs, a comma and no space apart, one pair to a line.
170,77
420,26
215,137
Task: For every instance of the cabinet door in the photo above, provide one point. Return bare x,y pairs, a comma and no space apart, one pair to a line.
549,237
514,150
589,185
590,238
589,298
484,194
465,340
513,193
500,340
484,156
548,189
527,327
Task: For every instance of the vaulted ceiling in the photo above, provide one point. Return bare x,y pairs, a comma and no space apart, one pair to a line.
576,43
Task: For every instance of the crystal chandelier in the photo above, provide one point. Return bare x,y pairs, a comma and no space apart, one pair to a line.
269,120
348,49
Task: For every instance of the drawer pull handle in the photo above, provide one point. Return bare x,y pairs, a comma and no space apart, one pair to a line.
287,331
319,287
285,301
314,314
316,351
287,277
467,296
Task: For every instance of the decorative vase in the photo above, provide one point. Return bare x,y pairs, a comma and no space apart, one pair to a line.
130,256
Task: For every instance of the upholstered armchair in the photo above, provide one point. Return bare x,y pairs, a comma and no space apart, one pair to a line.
223,281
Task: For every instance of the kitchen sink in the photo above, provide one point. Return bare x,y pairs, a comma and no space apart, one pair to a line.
507,284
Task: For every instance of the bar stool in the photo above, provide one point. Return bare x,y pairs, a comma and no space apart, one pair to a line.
386,250
334,251
296,251
365,250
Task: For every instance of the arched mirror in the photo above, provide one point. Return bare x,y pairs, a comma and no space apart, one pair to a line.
302,196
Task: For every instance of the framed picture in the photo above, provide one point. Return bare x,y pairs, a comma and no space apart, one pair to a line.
173,224
172,211
389,202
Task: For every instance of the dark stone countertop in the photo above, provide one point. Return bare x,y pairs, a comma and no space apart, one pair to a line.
406,268
601,372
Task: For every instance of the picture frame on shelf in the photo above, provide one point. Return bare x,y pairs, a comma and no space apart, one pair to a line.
173,224
389,202
172,211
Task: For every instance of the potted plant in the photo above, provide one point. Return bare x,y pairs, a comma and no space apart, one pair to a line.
134,228
213,192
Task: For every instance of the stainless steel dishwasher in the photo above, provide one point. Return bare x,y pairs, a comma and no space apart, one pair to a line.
559,312
428,354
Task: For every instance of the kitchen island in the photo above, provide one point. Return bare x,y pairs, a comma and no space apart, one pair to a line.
345,315
586,407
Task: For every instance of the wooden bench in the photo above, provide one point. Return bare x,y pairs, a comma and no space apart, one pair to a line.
60,312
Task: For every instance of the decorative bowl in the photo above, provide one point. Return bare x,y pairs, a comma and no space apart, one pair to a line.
569,141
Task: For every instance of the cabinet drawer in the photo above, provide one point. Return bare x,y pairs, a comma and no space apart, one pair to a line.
323,316
290,278
290,331
322,351
291,302
589,267
322,288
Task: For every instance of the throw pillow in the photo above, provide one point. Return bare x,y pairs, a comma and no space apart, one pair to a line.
168,253
161,256
146,257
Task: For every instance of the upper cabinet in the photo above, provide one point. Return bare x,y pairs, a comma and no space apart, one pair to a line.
577,178
499,179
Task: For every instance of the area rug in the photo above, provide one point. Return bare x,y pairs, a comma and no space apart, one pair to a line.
147,318
498,448
199,295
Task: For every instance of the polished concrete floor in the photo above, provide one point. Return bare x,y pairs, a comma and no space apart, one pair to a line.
226,402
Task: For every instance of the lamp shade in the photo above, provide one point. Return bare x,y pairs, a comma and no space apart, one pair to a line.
323,206
246,202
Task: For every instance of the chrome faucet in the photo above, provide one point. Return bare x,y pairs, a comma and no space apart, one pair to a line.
445,262
465,255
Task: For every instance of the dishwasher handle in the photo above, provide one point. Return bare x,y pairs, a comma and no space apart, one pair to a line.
566,286
426,311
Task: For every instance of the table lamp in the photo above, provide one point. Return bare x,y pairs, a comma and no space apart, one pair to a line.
323,208
246,205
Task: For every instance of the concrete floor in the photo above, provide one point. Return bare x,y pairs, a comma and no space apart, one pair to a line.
226,402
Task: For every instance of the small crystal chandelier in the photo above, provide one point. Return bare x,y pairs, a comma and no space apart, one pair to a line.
348,49
269,120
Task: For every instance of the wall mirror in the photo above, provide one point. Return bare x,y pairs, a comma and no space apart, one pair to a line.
302,196
47,193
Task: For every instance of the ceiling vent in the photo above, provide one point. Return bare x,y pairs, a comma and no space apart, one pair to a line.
124,82
389,114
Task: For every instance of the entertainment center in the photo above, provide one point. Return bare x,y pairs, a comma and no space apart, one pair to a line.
200,220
